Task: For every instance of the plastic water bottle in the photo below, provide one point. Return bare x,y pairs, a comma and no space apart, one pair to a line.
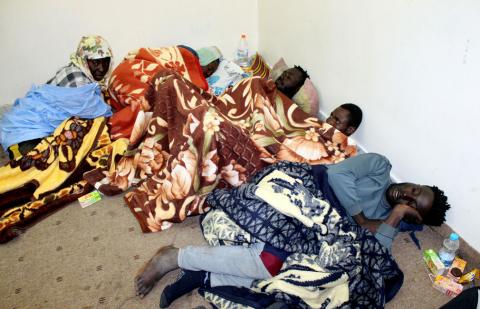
241,57
450,247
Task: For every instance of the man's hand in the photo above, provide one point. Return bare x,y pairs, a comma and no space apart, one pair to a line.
402,211
408,212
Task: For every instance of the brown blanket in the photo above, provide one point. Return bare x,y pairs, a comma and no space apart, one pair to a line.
191,142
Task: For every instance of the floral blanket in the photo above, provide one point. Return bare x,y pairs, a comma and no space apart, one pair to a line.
347,267
191,142
130,81
50,175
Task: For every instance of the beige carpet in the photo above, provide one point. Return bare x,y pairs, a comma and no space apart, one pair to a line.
87,258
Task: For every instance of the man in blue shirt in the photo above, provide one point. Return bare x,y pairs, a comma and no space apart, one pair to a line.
362,185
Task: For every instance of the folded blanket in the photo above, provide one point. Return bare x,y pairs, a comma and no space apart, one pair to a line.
45,107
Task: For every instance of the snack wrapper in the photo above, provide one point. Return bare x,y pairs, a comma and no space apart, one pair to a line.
447,286
90,198
460,265
470,276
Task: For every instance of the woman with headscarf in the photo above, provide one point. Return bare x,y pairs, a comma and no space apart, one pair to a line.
50,150
44,107
91,62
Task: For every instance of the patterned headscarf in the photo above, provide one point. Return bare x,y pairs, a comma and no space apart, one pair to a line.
92,47
208,54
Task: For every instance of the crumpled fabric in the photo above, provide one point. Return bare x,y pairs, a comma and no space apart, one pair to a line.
45,107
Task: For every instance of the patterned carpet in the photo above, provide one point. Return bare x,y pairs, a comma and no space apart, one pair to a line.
87,258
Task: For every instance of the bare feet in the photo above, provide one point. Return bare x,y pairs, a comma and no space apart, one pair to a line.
164,261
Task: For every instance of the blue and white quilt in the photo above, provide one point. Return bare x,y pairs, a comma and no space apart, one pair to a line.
333,263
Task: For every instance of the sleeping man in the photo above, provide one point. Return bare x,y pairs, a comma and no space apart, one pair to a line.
291,80
361,184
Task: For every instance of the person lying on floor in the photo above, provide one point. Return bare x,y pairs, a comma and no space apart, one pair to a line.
363,187
346,118
222,74
91,63
219,72
291,80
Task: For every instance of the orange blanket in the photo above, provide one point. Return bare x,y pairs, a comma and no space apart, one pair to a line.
131,79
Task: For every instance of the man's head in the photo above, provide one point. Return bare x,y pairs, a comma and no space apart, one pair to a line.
210,68
209,58
429,202
346,118
291,81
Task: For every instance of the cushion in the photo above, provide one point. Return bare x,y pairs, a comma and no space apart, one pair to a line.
306,97
258,67
278,68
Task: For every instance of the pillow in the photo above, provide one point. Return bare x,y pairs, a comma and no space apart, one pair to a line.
306,97
258,67
278,68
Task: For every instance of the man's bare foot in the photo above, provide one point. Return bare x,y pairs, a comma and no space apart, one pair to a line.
164,261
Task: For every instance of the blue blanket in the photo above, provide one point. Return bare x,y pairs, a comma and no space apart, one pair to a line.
43,109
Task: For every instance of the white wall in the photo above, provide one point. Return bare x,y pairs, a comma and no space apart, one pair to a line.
38,36
413,67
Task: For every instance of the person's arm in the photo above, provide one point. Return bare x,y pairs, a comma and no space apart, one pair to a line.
343,178
385,231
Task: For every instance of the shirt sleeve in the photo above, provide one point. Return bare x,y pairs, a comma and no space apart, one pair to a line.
343,178
385,235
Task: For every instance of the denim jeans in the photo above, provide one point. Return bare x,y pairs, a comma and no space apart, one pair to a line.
228,265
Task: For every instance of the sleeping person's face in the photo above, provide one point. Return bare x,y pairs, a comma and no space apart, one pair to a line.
210,68
290,82
99,67
340,120
416,196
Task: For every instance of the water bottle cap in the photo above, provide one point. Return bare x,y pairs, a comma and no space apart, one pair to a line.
454,236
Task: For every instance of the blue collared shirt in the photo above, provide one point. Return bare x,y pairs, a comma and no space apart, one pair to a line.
360,184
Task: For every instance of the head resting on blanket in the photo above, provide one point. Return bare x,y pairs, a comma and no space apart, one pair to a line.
427,201
291,80
346,118
209,58
93,57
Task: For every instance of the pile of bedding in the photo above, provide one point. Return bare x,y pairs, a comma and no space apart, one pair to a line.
189,142
333,262
182,143
51,175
